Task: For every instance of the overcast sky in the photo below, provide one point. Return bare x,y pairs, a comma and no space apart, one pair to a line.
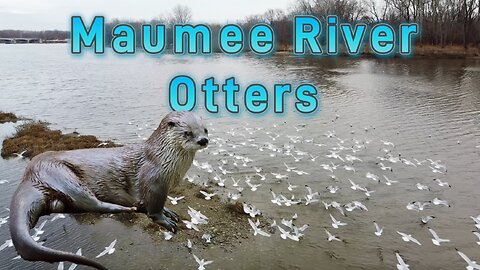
55,14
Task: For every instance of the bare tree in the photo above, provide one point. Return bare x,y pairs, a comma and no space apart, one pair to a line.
181,14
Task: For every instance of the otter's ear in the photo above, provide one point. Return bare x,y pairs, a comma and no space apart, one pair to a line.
172,124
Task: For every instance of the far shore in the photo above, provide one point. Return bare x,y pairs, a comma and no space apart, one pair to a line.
419,51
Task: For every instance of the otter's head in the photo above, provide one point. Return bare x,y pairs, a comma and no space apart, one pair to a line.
185,130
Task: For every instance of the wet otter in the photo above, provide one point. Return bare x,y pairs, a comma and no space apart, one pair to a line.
105,180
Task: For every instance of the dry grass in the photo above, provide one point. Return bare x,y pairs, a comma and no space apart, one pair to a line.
35,137
8,117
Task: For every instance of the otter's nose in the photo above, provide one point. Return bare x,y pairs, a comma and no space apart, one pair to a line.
203,141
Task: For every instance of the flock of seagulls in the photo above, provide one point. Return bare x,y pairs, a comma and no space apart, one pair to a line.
235,176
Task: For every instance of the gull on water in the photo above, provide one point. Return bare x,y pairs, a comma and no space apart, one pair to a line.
207,237
442,184
477,234
437,201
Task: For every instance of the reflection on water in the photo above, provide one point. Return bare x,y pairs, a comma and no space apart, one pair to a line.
429,108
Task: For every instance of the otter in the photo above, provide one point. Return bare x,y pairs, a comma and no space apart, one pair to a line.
105,180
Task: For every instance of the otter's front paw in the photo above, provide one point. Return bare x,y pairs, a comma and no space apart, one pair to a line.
165,222
171,214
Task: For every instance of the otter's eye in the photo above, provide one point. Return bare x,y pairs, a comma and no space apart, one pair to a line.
206,130
188,134
171,124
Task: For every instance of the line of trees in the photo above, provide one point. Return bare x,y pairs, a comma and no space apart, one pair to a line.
44,35
443,22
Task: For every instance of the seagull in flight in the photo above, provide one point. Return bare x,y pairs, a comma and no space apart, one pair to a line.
108,250
201,263
174,200
256,230
437,240
336,223
471,264
331,237
378,230
409,238
401,263
208,196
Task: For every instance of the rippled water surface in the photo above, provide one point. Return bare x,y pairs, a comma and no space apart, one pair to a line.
429,108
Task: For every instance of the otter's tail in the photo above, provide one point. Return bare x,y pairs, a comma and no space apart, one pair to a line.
27,205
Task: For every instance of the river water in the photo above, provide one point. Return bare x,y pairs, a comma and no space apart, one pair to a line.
429,108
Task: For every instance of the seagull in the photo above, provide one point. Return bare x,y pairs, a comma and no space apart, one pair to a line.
373,177
73,266
349,168
289,169
331,237
291,187
8,243
108,250
437,240
190,225
426,219
262,176
39,231
207,237
174,200
385,168
189,244
252,186
21,155
333,189
234,196
355,186
4,220
422,187
437,201
167,235
58,216
387,143
208,196
284,234
389,182
471,264
336,223
256,230
401,264
477,234
279,176
201,263
442,184
251,210
409,238
378,230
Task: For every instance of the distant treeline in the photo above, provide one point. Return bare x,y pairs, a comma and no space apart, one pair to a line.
44,35
443,22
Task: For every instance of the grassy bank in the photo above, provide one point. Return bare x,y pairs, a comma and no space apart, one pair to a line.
35,137
6,117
